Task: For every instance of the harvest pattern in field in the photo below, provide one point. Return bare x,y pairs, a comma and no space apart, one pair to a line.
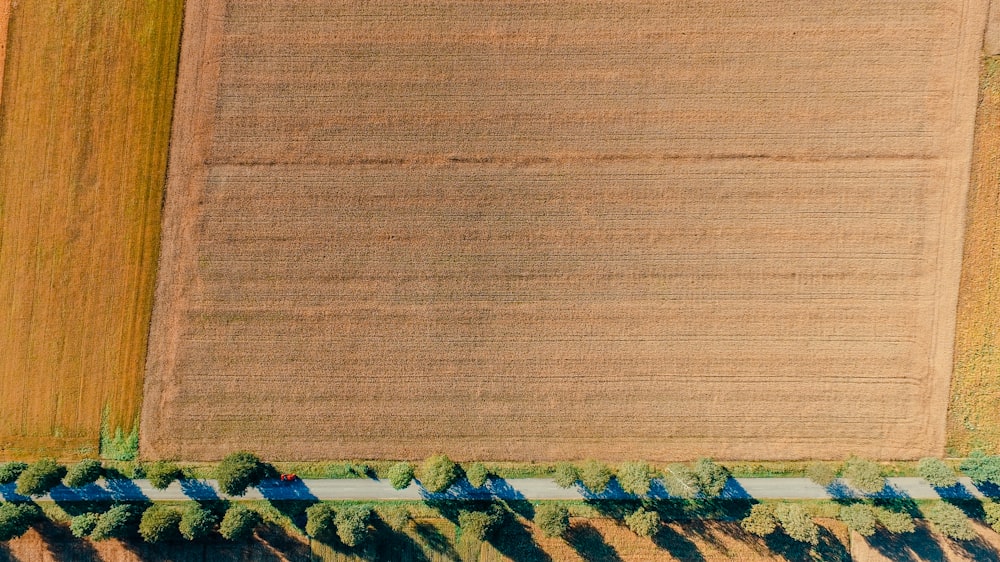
84,121
560,230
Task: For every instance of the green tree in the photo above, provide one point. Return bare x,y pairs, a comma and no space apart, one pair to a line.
566,475
859,517
400,475
821,473
981,467
352,524
992,511
160,523
162,473
438,473
196,522
82,473
936,472
894,521
864,476
16,519
320,522
760,521
239,471
82,525
643,522
680,481
634,477
477,475
949,521
796,523
9,471
238,523
116,522
40,477
395,516
552,519
478,524
595,476
711,477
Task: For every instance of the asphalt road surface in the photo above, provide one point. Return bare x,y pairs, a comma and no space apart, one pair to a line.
512,489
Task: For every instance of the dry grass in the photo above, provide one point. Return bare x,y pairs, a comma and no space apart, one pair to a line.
925,546
974,419
85,119
642,229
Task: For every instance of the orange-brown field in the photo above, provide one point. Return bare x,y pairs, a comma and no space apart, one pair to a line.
84,119
974,419
631,229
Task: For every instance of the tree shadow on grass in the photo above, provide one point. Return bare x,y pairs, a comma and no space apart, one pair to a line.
279,541
590,545
907,547
395,545
677,545
433,539
513,540
829,549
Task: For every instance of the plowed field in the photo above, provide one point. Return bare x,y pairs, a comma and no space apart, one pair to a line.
559,230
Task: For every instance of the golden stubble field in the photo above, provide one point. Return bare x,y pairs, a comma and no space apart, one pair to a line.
561,230
84,120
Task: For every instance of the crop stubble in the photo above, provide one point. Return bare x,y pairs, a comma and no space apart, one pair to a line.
547,231
84,120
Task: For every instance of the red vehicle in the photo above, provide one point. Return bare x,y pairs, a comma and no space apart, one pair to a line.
289,477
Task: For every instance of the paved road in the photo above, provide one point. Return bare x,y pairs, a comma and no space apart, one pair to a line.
512,489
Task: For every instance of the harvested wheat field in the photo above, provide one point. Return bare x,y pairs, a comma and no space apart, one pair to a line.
561,230
84,122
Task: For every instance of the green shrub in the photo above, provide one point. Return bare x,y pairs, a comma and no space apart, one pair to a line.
162,473
82,525
16,519
566,475
40,477
319,522
711,477
196,522
238,523
634,477
643,522
552,519
395,516
680,481
936,472
116,522
438,473
82,473
949,521
478,524
796,523
160,523
477,475
400,475
761,520
992,511
864,476
352,524
9,471
595,476
981,467
894,521
859,517
239,471
821,473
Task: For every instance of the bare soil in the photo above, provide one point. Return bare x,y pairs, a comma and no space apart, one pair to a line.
641,229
